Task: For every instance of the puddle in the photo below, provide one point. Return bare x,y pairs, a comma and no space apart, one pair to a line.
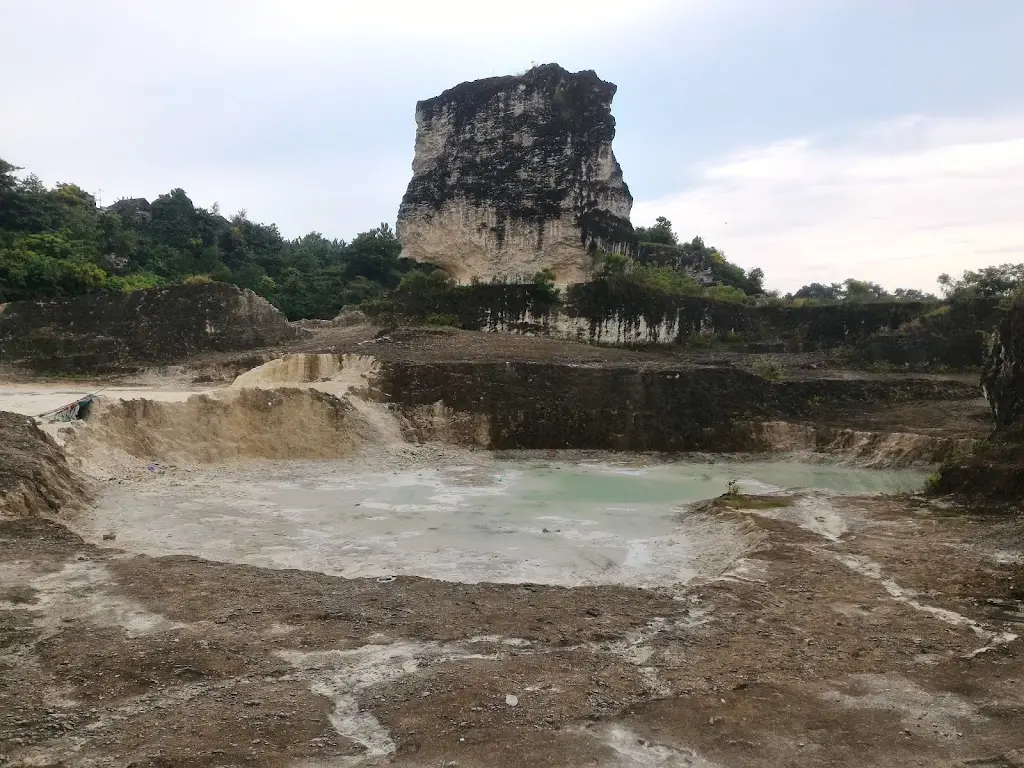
498,520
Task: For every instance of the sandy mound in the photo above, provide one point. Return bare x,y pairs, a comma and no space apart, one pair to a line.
35,477
336,374
247,424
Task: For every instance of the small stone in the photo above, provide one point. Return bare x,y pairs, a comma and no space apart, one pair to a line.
109,536
512,701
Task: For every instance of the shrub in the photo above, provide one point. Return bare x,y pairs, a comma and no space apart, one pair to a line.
767,368
440,318
136,281
547,294
726,293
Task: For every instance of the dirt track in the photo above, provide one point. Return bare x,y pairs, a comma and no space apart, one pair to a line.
800,655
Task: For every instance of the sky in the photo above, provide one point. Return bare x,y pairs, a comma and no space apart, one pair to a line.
816,139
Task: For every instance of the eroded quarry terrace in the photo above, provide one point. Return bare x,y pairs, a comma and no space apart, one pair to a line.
429,547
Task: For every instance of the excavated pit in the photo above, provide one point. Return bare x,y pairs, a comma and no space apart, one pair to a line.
298,464
298,569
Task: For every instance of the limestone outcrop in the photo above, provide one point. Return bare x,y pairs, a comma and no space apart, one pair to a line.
994,471
1003,372
513,175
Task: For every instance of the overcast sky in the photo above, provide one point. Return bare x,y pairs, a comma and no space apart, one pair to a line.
817,139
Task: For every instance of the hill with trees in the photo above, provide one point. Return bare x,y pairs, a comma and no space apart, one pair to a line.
56,242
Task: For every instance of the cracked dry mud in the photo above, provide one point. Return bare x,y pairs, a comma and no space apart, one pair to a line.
887,641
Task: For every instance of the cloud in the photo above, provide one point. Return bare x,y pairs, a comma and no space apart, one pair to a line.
300,112
898,203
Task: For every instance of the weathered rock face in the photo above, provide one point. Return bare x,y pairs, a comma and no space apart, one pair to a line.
138,208
123,331
1003,373
513,175
994,471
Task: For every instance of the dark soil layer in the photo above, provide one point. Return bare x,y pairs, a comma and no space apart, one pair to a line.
544,405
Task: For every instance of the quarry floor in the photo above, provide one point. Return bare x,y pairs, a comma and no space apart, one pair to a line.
851,631
888,645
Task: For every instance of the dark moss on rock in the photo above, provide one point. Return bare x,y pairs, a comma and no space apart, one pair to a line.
549,405
114,332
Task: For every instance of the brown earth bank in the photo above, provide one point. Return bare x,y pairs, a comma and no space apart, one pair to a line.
889,645
35,477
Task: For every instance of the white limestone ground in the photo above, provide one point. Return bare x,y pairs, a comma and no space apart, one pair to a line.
478,520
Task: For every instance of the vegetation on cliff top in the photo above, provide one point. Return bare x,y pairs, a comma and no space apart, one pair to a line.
56,243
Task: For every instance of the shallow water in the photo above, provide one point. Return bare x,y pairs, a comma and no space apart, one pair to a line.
501,520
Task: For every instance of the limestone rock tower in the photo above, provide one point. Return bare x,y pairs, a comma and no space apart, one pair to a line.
513,175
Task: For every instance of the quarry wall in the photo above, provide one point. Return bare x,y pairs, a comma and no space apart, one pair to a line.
912,334
994,469
112,332
546,405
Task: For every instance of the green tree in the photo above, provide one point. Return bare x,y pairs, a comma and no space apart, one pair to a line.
661,232
821,292
994,281
8,179
863,290
174,221
912,294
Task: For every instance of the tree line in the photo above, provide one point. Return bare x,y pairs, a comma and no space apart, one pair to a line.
56,242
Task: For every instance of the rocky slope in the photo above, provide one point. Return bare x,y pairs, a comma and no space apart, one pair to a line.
513,175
